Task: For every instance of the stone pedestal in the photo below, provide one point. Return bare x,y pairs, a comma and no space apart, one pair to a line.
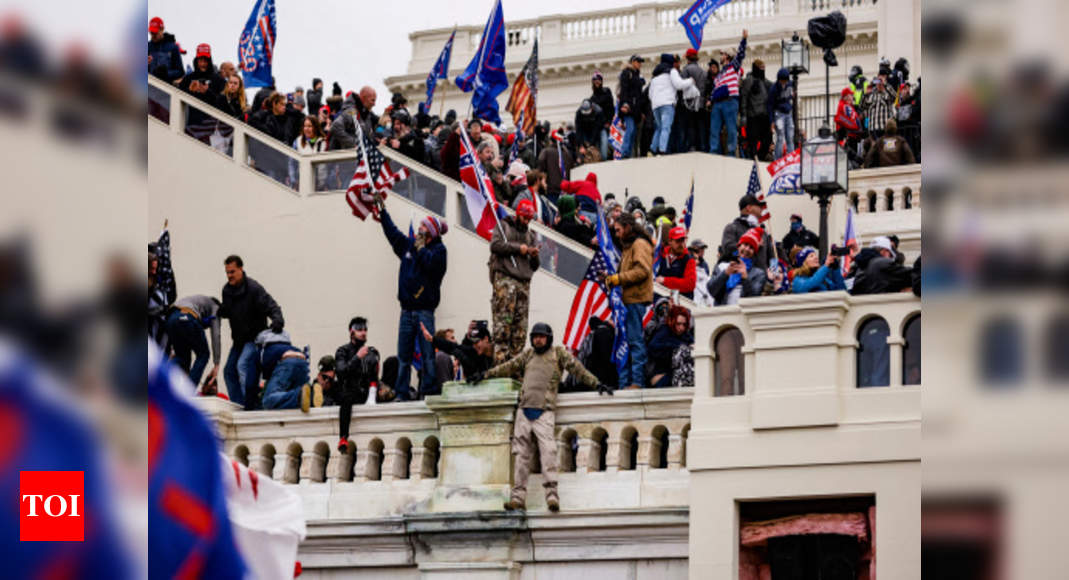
475,422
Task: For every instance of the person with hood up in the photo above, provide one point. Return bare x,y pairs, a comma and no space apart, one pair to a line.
514,258
355,109
739,276
419,287
781,111
314,96
602,97
588,124
285,371
542,367
754,93
663,89
671,342
164,56
678,269
809,276
203,82
586,195
725,98
877,271
571,227
247,306
635,277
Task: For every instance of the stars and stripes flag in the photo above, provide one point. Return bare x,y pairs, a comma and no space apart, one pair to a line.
373,177
478,191
849,241
524,95
559,138
164,271
616,135
594,299
514,150
688,206
754,188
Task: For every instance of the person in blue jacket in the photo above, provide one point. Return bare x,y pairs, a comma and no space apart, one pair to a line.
285,370
419,285
164,56
810,276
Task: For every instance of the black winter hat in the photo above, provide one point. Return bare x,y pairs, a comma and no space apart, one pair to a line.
336,89
747,200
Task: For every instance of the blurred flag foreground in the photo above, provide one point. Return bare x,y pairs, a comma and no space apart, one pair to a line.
209,517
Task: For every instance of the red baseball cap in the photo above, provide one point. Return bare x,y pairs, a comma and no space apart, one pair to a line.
155,25
691,53
677,233
204,49
526,209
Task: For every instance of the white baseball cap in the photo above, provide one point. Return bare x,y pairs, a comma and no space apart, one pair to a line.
883,242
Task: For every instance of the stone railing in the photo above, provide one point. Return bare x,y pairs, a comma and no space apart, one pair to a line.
737,11
886,189
829,5
451,452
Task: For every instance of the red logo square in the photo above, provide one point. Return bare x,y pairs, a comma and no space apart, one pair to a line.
51,506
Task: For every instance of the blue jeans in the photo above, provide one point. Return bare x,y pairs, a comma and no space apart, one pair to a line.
663,117
186,335
283,389
407,333
636,346
629,135
603,145
725,113
241,375
784,133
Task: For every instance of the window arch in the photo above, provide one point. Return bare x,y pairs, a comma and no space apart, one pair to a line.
855,201
1001,352
569,451
873,354
728,367
911,351
1056,348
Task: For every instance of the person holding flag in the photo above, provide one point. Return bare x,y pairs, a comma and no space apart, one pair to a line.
419,285
514,258
635,278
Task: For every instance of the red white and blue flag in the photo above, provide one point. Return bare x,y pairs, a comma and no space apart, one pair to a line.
786,174
616,135
594,299
256,47
373,177
688,207
753,187
478,190
849,241
440,70
417,338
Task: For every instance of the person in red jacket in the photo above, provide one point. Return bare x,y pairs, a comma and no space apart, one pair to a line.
678,269
586,194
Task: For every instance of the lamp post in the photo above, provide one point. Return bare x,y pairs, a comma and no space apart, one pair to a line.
824,174
796,61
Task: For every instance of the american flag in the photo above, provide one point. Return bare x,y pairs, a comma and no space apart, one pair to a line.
164,272
593,298
362,187
688,206
754,188
514,151
616,135
525,94
849,241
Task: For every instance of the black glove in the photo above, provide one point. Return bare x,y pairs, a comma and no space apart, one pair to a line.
276,326
476,377
604,389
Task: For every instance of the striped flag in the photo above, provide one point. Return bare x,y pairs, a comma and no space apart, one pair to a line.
514,150
373,177
592,298
616,135
440,70
849,241
522,100
754,188
688,206
478,191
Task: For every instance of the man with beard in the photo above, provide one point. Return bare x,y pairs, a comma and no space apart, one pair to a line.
514,258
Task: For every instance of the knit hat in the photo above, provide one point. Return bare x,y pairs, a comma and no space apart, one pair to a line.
597,76
566,204
678,233
435,227
846,92
526,209
801,255
518,169
752,238
883,243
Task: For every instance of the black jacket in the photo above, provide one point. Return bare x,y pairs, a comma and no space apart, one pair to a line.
259,98
166,58
314,98
879,275
754,94
803,238
471,361
411,146
588,127
284,127
576,230
600,362
603,98
248,307
729,242
354,376
631,83
661,347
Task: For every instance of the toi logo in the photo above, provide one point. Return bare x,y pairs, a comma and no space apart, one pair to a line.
51,506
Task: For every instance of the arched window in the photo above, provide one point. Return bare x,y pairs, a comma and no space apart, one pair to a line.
873,354
855,201
659,447
600,440
729,364
1056,348
569,449
911,351
1001,353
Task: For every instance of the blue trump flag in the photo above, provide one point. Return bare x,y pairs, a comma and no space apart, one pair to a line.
257,45
693,20
439,71
607,252
486,72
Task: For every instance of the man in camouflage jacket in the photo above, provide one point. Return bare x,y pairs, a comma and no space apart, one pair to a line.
542,367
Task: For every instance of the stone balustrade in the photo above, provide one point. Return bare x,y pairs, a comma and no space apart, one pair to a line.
886,189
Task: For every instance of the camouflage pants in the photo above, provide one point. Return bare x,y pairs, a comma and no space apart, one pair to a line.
530,437
508,306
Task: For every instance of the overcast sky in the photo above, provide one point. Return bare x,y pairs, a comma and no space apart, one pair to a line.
356,42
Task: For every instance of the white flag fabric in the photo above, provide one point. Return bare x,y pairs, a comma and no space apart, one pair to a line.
267,519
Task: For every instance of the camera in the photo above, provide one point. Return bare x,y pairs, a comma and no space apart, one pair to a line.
839,251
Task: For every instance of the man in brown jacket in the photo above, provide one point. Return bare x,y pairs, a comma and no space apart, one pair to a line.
513,261
890,150
635,278
542,367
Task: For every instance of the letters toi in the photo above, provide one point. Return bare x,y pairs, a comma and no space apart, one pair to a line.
51,506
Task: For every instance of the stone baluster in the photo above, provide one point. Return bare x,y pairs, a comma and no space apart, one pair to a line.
415,465
587,456
313,466
393,464
259,464
338,466
899,199
646,449
618,449
363,457
676,451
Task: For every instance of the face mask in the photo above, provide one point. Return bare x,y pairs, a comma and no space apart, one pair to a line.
758,73
752,221
796,226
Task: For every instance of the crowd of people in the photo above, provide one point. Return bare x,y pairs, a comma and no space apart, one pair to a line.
721,109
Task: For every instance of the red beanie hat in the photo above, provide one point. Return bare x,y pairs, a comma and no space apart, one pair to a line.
691,53
752,238
435,227
526,209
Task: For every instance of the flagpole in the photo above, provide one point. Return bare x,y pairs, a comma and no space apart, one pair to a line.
441,105
493,209
768,224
